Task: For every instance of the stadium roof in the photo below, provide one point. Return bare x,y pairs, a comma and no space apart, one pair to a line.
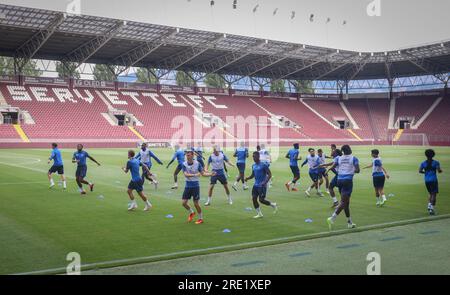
44,34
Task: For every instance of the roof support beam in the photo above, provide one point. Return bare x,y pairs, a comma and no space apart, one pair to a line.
223,61
292,69
329,67
265,62
88,49
356,69
174,62
427,66
261,82
387,67
27,50
135,55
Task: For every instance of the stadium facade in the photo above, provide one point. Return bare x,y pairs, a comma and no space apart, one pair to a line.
38,110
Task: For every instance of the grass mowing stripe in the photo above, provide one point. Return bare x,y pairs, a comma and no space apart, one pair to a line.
348,246
301,254
170,256
392,239
430,232
239,264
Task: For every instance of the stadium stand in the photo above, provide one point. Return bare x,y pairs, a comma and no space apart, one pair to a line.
360,112
91,114
60,113
8,134
437,123
413,106
379,116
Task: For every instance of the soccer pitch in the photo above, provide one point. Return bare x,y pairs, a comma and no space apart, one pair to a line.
40,226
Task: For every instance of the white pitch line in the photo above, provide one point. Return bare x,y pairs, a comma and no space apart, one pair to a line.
270,242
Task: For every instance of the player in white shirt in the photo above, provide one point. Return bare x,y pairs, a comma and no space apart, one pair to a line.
347,165
322,171
264,157
313,162
379,175
145,156
217,161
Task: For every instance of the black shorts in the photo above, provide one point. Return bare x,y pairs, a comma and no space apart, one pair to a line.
378,181
221,178
81,171
191,192
345,187
295,171
314,176
259,192
54,169
322,173
241,167
334,182
432,187
136,185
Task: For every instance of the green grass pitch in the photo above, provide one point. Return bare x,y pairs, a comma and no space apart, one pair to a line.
40,226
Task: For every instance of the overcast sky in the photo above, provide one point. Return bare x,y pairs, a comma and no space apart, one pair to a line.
401,23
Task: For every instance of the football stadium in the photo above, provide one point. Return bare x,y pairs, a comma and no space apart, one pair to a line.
250,138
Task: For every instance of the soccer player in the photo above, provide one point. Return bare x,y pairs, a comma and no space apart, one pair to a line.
217,160
136,182
225,167
80,157
313,163
58,166
333,150
265,157
241,154
179,156
429,168
145,156
379,175
294,156
192,170
199,152
347,165
322,171
262,174
333,183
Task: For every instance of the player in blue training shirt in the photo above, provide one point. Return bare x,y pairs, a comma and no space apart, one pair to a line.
179,156
313,162
241,154
133,166
429,169
379,175
58,166
266,158
347,165
335,153
262,175
294,156
217,161
192,170
145,156
80,157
